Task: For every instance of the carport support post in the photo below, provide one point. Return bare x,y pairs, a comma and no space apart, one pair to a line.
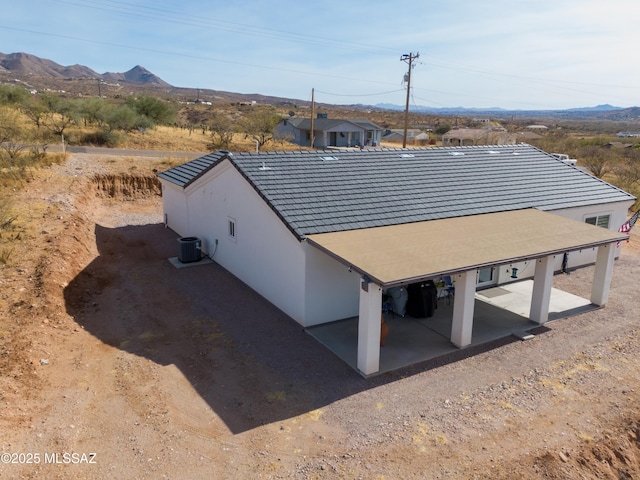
541,296
602,274
369,327
463,306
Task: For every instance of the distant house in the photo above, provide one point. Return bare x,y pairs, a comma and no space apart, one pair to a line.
321,235
537,127
461,137
414,136
330,132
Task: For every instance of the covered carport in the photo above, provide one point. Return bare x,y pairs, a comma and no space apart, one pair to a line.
408,253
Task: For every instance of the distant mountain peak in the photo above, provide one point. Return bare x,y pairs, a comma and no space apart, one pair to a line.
137,74
28,64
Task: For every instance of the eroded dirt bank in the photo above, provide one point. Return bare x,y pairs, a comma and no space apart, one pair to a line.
105,348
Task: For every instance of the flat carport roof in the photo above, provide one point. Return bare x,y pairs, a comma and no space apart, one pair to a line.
407,253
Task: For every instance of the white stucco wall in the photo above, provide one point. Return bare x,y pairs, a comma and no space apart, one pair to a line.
332,291
618,215
264,253
174,205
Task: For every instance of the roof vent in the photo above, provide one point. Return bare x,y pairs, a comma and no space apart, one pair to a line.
407,155
493,152
264,167
329,158
456,154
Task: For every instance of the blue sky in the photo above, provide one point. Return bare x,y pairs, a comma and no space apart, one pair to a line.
517,54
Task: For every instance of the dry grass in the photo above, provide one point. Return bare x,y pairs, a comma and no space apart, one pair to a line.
173,139
167,139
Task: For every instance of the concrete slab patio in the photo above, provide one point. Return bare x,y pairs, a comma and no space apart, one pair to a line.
499,312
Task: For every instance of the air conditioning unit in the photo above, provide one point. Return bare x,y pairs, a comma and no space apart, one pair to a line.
190,249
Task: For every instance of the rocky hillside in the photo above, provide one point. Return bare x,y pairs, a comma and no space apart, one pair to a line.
22,64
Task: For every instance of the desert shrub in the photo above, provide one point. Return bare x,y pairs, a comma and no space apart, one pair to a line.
102,138
12,95
5,254
221,132
157,111
7,217
42,159
260,123
442,129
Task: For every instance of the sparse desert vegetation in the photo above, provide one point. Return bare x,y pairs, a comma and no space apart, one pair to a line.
103,349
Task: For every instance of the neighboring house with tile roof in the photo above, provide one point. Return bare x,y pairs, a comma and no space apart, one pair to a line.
460,137
320,234
329,132
415,136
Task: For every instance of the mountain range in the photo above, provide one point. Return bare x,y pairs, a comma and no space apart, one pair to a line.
26,64
467,110
43,74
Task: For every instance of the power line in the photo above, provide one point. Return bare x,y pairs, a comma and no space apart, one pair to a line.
494,74
359,94
195,57
176,17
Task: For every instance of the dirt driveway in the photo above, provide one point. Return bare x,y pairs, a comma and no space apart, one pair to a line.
115,364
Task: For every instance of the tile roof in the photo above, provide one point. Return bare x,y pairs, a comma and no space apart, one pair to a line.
326,191
329,123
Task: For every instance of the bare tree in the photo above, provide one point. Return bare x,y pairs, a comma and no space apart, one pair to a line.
60,114
13,137
35,110
628,172
260,124
221,132
596,160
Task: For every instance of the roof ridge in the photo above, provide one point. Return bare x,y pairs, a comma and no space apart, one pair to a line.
382,185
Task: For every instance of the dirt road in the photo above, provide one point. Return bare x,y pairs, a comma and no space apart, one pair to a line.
117,365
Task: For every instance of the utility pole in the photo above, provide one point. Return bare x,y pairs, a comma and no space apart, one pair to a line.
313,114
408,59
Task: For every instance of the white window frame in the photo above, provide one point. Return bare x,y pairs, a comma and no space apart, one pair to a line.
493,277
601,220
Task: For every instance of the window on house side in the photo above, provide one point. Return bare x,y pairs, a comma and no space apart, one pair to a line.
598,220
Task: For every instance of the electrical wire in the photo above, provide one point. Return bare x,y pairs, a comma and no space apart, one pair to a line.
358,94
179,18
195,57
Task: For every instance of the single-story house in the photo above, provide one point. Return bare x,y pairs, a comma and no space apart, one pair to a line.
478,136
329,132
537,127
321,234
415,136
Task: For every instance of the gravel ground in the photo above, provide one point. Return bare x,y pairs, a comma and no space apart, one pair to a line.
167,373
